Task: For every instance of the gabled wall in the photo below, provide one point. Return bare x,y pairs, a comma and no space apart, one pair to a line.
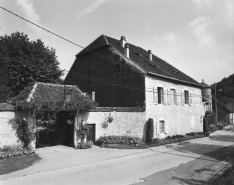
107,77
179,118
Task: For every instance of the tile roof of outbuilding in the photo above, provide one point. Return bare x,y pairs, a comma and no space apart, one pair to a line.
139,56
49,95
6,107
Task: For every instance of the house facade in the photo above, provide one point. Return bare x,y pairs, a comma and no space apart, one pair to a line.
131,85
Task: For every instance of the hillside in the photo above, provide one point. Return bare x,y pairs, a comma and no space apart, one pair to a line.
225,89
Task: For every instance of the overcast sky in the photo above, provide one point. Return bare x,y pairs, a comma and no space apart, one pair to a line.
195,36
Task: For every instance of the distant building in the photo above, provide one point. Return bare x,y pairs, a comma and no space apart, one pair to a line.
224,114
132,85
206,96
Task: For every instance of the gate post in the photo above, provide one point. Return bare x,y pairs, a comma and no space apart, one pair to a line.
75,128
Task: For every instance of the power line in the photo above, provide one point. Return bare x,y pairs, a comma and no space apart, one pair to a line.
226,10
57,35
108,82
71,43
61,36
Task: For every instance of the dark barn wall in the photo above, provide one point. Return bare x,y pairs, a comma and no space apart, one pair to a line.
91,72
222,114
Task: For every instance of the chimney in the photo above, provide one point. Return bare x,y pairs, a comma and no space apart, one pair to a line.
126,50
123,41
150,55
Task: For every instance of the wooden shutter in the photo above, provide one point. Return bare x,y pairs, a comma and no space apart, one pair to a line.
190,98
169,94
166,126
155,95
182,97
93,96
157,127
164,91
175,97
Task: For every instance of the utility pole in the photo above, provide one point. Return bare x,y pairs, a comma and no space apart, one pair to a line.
216,108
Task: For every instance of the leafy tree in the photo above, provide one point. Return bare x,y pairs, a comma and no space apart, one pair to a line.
23,61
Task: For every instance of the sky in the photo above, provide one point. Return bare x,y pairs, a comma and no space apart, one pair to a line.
195,36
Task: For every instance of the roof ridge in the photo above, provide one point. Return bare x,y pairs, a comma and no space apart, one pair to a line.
105,39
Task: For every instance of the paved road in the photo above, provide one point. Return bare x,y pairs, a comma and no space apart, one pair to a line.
160,165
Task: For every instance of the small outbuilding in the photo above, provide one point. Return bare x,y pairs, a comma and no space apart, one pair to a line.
44,104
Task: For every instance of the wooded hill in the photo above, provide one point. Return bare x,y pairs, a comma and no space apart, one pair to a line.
224,88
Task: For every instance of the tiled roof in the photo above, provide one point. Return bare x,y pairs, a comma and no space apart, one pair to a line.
51,96
139,56
6,107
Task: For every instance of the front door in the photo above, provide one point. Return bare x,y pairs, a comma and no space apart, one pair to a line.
91,134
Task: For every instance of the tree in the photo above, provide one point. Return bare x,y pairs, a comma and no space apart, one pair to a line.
224,89
23,61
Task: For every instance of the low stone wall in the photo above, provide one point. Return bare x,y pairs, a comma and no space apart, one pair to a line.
7,133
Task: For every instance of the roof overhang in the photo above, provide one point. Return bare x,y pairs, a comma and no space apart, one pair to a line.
174,79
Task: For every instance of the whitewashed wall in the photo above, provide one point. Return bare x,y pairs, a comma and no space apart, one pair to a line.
124,123
7,133
180,119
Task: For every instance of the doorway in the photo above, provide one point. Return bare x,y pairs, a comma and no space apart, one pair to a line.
92,132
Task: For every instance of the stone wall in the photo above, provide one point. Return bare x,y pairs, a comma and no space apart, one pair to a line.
180,118
123,123
7,133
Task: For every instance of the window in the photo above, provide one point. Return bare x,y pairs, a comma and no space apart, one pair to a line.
186,97
173,96
160,95
161,126
91,96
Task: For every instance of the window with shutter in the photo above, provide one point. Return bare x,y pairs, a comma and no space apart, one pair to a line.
160,95
161,126
186,97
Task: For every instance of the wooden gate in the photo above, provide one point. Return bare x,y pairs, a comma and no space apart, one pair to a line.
91,134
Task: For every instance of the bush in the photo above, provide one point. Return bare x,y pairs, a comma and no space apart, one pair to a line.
15,151
150,130
24,133
118,140
220,127
84,145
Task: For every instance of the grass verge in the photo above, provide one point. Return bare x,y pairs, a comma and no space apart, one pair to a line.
226,178
17,163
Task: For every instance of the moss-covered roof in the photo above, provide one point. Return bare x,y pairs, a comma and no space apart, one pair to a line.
52,96
6,107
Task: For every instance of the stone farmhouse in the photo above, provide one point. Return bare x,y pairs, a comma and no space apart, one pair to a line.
132,85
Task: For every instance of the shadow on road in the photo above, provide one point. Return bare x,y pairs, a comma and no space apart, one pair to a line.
224,138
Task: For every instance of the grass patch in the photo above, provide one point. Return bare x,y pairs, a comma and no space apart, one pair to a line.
227,177
17,163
